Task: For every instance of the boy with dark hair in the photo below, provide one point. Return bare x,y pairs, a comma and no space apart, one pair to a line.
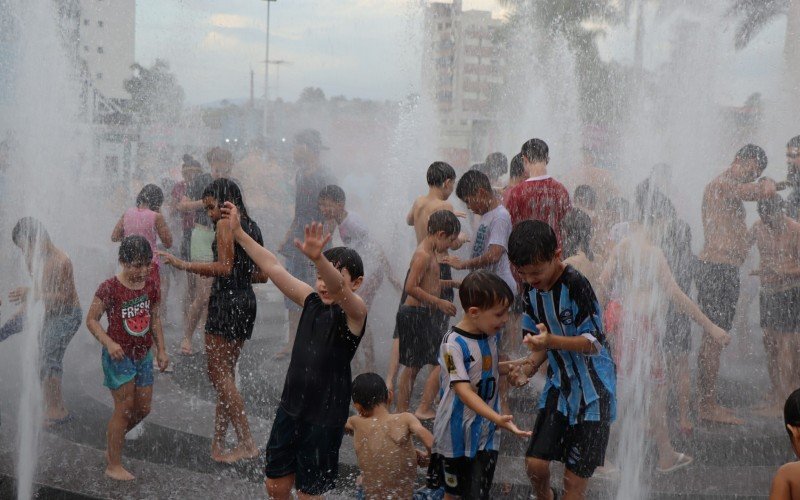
420,318
777,237
354,233
540,197
384,448
562,322
585,198
786,483
303,446
466,442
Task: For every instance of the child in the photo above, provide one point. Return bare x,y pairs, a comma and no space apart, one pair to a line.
130,301
355,234
778,239
62,310
420,318
465,444
786,483
578,402
303,446
516,176
385,451
231,316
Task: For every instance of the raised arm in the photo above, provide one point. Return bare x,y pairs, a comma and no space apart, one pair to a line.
419,430
353,306
119,230
751,191
164,234
188,205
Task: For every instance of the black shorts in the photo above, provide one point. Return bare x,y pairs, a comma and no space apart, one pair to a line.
678,334
309,451
467,477
780,311
718,292
232,313
446,273
580,447
186,244
420,332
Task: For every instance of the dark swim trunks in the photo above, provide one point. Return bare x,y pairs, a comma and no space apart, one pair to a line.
780,311
718,292
420,333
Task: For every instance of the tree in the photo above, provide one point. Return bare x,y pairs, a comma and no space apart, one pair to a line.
312,95
155,93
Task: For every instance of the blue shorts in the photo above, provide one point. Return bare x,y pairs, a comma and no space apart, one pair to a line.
57,332
119,373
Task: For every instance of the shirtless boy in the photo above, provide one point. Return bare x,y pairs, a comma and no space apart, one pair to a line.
384,448
421,317
718,266
786,483
777,237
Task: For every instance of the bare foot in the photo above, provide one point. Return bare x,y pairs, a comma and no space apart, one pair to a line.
720,415
685,426
239,453
773,410
677,461
217,452
425,414
118,472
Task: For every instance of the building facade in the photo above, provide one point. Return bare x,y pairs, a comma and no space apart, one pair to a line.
463,71
106,42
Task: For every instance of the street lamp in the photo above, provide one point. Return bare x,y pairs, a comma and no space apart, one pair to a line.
266,72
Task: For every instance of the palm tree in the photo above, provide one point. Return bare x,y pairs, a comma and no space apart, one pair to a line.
755,15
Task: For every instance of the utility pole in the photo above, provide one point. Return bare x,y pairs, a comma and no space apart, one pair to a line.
266,72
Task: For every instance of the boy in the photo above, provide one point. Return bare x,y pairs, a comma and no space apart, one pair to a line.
465,444
355,234
578,402
778,239
422,314
303,446
130,302
786,483
516,176
385,451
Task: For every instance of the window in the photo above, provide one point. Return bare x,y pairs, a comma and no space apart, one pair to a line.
99,50
99,24
99,76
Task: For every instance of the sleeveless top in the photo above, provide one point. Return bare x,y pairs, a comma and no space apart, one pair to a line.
243,266
141,222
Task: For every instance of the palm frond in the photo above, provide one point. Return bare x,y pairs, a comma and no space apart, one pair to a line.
753,16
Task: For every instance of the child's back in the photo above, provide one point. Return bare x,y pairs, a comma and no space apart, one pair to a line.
386,454
139,221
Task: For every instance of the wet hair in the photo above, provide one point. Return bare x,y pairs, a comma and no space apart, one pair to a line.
480,167
770,206
469,184
224,190
576,233
135,249
346,258
30,231
585,195
484,289
517,167
438,173
443,220
190,162
497,165
219,155
532,242
369,390
794,142
152,196
536,150
199,185
753,152
620,206
652,204
333,193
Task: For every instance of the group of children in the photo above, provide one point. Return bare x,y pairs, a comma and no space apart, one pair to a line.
522,291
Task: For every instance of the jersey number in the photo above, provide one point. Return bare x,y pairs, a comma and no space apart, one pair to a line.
486,388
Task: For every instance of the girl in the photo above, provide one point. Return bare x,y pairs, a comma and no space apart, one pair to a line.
130,301
231,316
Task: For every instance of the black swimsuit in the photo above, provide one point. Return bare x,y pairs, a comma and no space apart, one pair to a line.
232,304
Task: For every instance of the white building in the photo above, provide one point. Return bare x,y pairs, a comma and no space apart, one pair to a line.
106,41
464,71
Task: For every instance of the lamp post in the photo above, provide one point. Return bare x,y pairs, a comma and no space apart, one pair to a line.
266,72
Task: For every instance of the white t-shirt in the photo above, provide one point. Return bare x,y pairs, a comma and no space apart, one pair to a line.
494,228
472,359
354,234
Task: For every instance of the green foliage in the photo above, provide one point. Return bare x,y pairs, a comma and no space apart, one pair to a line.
753,16
155,93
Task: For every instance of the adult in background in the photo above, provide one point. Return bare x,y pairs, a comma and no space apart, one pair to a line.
725,249
311,178
793,177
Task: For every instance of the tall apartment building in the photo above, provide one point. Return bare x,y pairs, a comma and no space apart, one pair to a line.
106,42
463,71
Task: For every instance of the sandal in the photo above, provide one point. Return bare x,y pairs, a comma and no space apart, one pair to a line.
682,461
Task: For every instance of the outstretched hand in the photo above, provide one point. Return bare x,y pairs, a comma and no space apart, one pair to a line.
231,213
516,377
170,259
507,423
538,342
315,240
719,335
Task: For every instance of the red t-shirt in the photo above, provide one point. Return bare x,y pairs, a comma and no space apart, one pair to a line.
539,198
128,313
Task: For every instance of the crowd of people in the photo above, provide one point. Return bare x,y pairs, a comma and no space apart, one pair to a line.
591,290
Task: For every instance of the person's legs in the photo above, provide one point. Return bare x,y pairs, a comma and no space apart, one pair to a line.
405,385
142,399
280,488
425,410
667,457
681,375
785,360
539,474
198,306
57,332
394,364
118,425
574,486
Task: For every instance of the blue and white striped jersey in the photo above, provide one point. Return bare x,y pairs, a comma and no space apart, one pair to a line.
466,358
586,382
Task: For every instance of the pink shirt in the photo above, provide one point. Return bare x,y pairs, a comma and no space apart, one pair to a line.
141,222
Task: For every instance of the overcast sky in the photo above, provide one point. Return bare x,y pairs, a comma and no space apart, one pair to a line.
357,48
